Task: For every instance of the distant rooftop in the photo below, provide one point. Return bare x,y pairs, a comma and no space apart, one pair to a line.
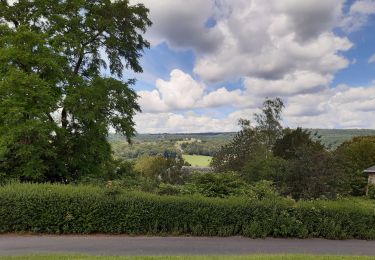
370,170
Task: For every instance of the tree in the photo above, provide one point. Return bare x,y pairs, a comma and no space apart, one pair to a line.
272,168
357,155
288,146
315,174
268,121
56,107
251,142
246,145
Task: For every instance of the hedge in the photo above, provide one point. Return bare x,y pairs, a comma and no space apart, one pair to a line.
45,208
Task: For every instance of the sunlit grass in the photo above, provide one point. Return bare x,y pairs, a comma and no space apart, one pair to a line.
197,160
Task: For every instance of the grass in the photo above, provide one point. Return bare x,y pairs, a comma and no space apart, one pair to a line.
197,160
250,257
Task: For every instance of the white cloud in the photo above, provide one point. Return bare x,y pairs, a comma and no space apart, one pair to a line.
291,84
340,107
222,97
363,6
358,15
283,48
280,38
182,92
372,59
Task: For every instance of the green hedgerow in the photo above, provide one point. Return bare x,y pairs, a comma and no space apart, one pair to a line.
47,208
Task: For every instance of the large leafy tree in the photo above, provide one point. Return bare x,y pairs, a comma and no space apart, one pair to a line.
56,106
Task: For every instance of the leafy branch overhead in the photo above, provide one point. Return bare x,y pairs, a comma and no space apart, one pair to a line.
54,97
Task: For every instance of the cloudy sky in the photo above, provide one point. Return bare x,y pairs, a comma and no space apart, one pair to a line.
212,62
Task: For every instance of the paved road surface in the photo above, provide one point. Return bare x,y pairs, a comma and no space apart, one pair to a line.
124,245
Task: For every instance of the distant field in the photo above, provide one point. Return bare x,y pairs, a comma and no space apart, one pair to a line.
197,160
251,257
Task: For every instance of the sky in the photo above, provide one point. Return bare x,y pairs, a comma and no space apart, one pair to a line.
212,62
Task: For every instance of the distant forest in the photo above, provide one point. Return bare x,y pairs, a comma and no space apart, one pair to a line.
209,143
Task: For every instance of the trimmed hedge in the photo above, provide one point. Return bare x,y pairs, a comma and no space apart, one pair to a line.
44,208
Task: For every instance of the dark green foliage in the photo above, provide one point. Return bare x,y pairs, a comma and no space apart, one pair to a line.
371,191
84,209
246,145
314,174
357,155
272,168
56,107
289,145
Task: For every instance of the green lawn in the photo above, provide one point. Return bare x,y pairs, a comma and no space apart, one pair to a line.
197,160
252,257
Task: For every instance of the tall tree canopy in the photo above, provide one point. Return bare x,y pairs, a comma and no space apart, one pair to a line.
56,107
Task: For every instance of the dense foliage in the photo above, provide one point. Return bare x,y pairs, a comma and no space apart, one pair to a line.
84,209
357,155
295,160
56,107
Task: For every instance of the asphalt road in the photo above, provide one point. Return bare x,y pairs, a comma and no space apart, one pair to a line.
124,245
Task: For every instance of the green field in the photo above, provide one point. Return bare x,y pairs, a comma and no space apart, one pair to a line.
197,160
252,257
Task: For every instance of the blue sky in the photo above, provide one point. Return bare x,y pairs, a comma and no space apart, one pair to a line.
212,62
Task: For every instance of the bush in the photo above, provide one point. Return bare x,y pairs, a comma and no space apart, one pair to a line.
216,184
46,208
271,168
161,169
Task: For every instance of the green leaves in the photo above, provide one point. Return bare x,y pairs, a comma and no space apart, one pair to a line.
51,57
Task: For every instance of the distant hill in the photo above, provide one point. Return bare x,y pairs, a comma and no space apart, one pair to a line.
331,138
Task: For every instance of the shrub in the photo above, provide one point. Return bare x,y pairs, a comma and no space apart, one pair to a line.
216,184
271,168
161,169
46,208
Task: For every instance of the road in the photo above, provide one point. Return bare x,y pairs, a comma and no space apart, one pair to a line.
125,245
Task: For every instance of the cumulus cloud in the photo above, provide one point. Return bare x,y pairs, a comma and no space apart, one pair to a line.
286,48
182,92
295,83
281,38
340,107
182,24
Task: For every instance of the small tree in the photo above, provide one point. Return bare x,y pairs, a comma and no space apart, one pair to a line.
268,121
251,142
246,145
